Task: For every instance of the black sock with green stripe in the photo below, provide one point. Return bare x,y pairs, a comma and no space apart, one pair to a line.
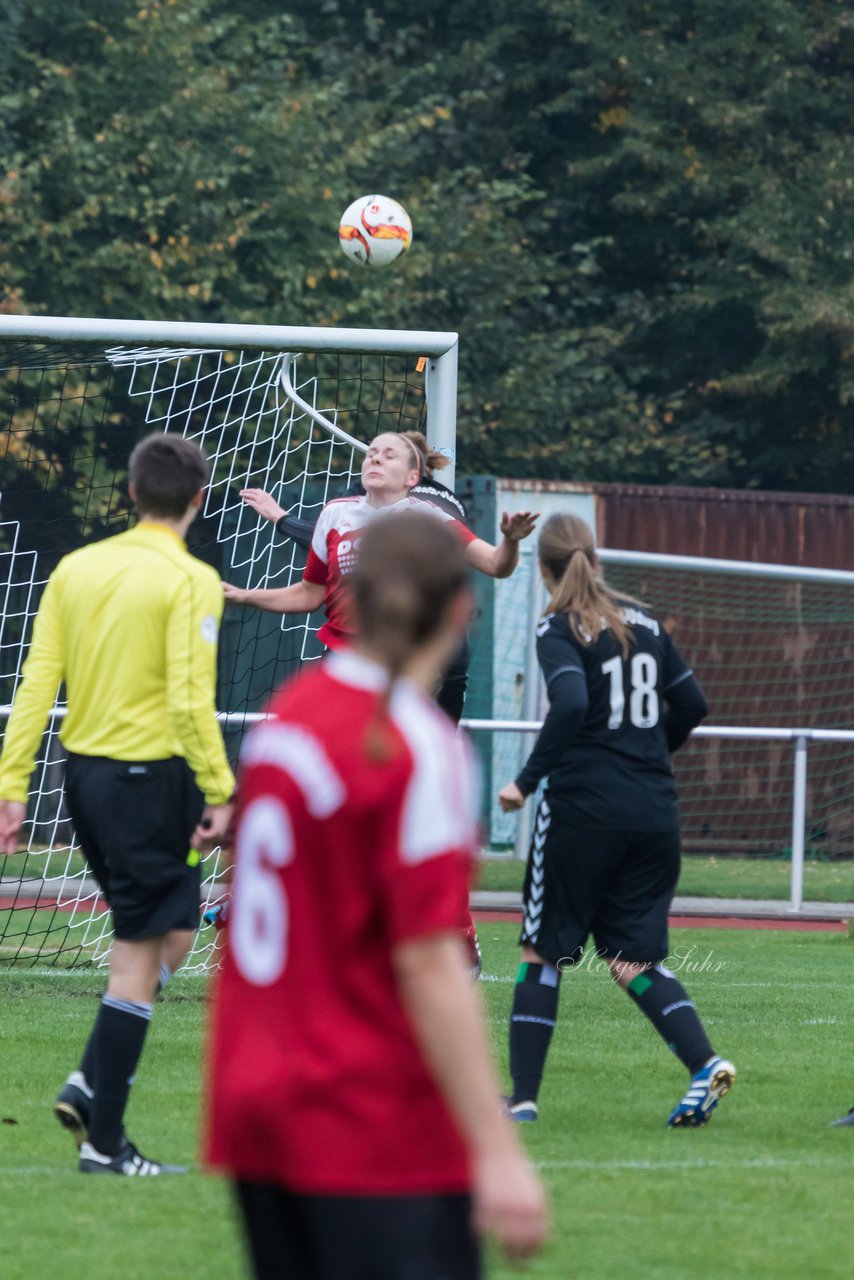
671,1011
532,1022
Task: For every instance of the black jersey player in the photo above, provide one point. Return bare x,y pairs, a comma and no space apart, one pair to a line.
604,856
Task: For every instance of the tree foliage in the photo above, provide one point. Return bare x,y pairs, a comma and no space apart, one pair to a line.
637,215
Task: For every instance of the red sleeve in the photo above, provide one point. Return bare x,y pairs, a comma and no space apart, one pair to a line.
315,570
463,532
428,898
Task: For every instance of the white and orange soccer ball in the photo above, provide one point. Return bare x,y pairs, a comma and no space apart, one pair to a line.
375,230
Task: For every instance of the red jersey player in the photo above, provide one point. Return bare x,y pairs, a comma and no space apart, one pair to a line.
352,1098
452,691
393,466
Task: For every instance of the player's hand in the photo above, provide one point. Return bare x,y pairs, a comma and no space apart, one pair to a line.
233,595
213,827
510,1204
264,503
519,525
510,798
12,814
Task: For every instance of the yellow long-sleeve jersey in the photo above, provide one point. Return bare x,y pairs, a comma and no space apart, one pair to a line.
130,625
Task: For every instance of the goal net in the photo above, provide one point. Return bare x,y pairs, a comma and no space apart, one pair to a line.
294,423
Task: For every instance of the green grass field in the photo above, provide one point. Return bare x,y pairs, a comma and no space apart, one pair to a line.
764,1191
825,880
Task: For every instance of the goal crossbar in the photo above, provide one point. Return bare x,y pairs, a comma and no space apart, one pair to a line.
157,337
173,333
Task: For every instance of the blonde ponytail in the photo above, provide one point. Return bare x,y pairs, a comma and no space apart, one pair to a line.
394,606
433,459
567,550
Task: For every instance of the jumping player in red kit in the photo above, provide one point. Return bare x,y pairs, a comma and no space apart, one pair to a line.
393,467
452,692
352,1098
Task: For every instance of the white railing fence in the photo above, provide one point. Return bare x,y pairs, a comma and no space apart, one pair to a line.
800,738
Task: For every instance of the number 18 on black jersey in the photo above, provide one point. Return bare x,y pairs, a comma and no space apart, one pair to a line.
612,724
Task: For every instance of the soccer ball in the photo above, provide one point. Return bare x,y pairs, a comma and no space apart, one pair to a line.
375,230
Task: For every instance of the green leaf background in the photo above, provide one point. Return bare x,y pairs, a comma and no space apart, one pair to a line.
638,216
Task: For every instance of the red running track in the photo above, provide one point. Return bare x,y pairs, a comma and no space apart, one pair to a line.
514,917
711,922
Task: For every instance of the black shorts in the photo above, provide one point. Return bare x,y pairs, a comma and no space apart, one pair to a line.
615,885
309,1237
134,821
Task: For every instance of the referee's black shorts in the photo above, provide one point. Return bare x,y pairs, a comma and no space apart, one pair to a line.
615,885
134,821
312,1237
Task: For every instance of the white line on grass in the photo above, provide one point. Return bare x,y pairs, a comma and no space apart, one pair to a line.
590,1166
50,1171
841,986
761,1162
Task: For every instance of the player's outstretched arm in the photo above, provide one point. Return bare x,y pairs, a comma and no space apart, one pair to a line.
302,597
299,531
264,503
500,561
447,1018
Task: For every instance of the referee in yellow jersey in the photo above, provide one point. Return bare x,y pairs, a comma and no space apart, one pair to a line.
130,625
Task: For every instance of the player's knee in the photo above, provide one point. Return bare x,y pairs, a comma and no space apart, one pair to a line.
624,972
538,971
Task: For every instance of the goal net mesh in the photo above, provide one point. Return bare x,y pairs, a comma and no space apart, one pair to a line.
69,418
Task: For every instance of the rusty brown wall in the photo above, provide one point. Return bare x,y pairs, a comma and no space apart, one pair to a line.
777,528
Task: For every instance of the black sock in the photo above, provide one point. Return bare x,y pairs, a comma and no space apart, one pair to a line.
670,1010
116,1046
87,1062
532,1022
